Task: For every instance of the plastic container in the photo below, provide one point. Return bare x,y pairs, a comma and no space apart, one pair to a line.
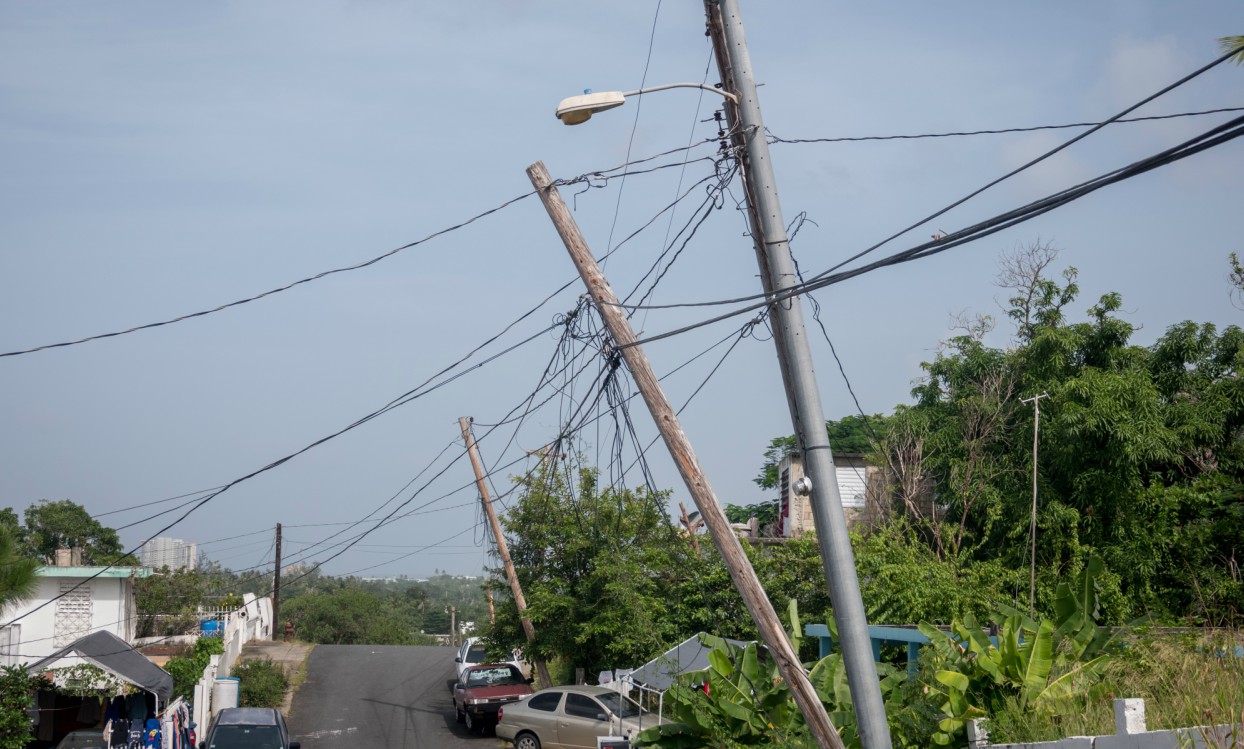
209,628
224,693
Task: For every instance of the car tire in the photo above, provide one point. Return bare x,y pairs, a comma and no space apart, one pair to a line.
473,724
458,714
526,740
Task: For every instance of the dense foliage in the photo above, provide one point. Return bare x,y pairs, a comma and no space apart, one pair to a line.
341,612
17,688
187,670
51,525
261,683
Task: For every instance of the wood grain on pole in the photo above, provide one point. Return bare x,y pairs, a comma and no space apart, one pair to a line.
676,441
502,549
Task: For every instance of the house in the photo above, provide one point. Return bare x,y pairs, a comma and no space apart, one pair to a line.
857,482
70,601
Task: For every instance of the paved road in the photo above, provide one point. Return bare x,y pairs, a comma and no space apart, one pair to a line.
379,697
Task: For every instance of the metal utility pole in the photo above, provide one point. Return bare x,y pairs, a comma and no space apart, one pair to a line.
1032,528
777,272
503,550
276,584
666,419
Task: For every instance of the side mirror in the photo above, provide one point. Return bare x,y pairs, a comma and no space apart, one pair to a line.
202,745
295,745
458,685
530,680
458,659
602,716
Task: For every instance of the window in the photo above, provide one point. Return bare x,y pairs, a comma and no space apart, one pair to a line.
10,642
623,707
492,677
73,612
246,737
582,706
546,701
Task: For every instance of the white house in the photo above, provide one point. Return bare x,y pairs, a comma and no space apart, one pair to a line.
102,601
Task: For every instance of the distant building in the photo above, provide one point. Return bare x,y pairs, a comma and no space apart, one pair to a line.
169,552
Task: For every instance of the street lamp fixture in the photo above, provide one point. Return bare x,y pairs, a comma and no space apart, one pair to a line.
579,109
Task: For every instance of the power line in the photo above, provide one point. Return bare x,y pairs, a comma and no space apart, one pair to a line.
1214,137
277,290
970,195
773,139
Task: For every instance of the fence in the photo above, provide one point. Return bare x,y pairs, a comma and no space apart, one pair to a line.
253,621
1130,733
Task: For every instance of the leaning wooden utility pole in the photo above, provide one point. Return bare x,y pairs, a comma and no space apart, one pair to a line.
666,419
778,275
502,549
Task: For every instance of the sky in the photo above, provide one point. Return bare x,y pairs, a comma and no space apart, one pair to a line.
161,159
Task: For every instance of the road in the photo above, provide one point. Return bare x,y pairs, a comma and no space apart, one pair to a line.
380,697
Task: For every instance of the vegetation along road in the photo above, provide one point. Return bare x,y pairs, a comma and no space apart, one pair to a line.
378,696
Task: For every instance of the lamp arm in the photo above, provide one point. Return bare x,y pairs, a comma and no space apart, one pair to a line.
702,86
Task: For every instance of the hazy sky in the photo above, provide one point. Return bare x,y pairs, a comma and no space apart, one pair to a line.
162,158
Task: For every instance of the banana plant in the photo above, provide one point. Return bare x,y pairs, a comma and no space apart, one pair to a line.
1049,666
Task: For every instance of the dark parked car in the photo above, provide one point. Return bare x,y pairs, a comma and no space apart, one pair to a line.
571,717
249,728
480,691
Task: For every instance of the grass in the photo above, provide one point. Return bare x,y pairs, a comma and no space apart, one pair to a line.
1186,681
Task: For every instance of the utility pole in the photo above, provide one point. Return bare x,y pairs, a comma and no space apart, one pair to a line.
492,610
503,550
276,584
777,273
1032,528
676,441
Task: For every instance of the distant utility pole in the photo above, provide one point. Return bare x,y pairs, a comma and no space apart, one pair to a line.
503,550
777,273
453,626
676,441
276,584
1032,528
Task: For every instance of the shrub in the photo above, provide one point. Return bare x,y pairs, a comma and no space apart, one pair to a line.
261,683
186,671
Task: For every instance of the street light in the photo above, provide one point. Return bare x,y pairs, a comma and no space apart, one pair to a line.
579,109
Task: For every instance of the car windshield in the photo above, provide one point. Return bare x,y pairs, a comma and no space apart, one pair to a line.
246,737
477,654
495,677
82,740
623,707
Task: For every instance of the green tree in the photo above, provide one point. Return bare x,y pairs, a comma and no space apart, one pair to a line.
1138,446
168,601
599,567
17,573
345,614
51,525
1233,43
17,689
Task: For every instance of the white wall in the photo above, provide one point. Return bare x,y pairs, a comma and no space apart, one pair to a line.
34,637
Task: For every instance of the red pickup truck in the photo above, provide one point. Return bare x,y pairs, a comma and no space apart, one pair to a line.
481,691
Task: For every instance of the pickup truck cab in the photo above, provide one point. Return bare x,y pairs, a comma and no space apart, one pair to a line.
480,691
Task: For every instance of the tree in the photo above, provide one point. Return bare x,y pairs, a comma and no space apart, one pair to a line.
1139,447
17,695
52,525
17,573
1233,43
168,601
601,569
